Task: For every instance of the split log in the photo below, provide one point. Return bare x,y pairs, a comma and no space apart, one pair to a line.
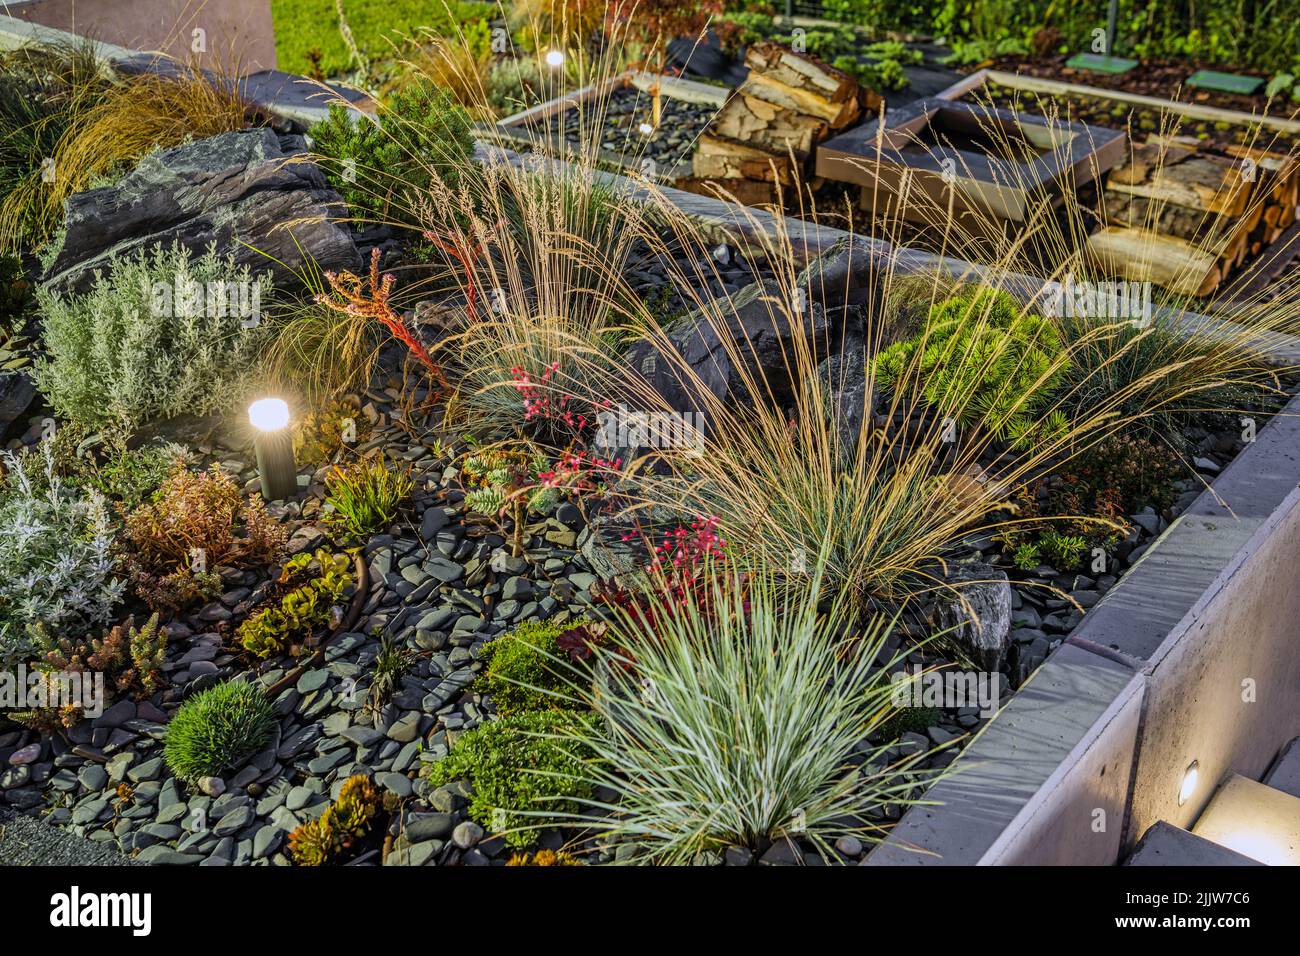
1143,256
834,115
1229,202
749,119
1184,177
1191,225
717,158
767,130
800,71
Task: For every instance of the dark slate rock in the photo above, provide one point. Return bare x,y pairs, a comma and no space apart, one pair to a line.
978,611
236,190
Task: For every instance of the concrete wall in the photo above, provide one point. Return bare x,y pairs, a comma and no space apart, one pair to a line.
1046,782
1194,655
239,34
1225,692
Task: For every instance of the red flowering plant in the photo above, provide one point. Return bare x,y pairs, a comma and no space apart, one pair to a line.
684,557
580,472
678,571
554,416
367,297
556,419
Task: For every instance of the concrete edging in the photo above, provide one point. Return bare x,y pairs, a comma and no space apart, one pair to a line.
1209,606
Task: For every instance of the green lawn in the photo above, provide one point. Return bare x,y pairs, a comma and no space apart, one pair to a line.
301,25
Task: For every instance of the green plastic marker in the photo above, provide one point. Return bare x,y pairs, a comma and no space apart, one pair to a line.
1104,62
1225,82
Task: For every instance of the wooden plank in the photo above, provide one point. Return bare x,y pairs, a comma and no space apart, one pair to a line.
676,88
963,86
561,103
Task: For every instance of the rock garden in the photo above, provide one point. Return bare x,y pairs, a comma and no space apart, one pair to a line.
382,492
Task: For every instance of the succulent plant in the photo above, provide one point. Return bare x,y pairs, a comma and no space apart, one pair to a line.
310,606
312,843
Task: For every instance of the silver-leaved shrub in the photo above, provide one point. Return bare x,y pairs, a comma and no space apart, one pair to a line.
160,334
57,570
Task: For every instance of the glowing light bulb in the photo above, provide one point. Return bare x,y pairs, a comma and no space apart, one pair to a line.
1190,777
555,58
269,414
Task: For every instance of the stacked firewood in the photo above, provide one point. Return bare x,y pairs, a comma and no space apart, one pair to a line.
1186,216
764,135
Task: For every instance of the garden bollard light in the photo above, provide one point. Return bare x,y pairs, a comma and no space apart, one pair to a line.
274,447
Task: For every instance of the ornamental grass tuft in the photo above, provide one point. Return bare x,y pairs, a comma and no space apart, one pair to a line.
216,729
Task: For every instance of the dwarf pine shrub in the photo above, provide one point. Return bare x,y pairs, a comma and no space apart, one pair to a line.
422,134
981,359
161,334
217,728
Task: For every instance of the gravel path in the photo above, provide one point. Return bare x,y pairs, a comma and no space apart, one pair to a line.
25,841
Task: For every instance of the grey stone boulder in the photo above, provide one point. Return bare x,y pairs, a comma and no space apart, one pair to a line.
843,378
764,334
839,275
975,610
253,194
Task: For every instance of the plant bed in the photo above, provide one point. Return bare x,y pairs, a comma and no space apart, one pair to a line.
1117,108
1138,652
1001,159
556,582
626,111
1159,79
617,119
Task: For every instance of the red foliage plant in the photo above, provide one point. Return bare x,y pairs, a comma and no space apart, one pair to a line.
579,472
172,545
658,21
679,574
454,246
367,297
